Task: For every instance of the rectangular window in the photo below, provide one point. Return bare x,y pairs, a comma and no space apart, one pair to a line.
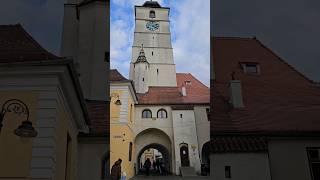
250,68
314,162
227,171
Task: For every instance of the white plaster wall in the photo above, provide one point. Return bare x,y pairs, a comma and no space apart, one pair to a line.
141,77
289,160
184,130
90,156
162,14
164,125
150,40
244,166
202,125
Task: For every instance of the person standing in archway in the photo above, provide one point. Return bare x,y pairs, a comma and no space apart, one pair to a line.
147,165
116,170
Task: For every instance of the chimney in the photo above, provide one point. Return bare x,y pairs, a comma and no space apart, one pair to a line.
184,91
236,94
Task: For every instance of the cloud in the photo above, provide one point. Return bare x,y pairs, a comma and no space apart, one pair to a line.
190,27
41,19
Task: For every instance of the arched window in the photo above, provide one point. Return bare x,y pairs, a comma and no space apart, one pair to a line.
152,14
130,151
162,113
146,113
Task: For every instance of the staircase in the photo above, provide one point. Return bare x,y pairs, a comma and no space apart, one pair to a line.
188,171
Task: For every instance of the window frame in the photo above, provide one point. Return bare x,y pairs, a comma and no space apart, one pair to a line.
146,117
162,110
312,161
152,14
245,67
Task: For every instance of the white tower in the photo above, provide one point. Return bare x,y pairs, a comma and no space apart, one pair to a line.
141,68
152,31
85,38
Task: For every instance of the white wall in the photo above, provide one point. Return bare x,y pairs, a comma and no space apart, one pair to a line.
185,132
244,166
202,125
289,160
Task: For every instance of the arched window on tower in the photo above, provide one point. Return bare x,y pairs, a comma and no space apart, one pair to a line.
146,113
152,14
162,113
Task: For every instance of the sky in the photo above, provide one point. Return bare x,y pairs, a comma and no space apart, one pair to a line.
289,27
190,29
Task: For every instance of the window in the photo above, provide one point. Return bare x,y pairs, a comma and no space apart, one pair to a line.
251,68
130,112
227,171
152,14
162,114
208,113
314,162
130,151
180,115
146,113
188,82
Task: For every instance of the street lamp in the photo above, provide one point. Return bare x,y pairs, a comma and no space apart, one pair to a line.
18,107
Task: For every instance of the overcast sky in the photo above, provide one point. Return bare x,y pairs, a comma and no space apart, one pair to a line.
190,28
289,27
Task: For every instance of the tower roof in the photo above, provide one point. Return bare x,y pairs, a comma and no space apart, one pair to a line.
141,57
152,4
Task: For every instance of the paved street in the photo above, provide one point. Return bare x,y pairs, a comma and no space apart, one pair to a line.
169,178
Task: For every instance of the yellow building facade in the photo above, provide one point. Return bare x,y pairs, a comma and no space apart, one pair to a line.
122,103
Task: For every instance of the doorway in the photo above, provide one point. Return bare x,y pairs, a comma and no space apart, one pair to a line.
184,155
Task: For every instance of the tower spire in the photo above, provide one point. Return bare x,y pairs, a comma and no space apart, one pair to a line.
142,56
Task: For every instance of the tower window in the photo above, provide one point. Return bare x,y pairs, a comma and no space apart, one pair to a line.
157,71
152,53
146,113
143,79
250,68
130,151
152,14
180,115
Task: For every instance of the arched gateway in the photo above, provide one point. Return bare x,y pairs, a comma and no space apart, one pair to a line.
153,139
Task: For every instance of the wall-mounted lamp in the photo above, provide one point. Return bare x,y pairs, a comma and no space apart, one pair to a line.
18,107
115,95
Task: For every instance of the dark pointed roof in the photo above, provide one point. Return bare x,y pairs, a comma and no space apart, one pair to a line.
152,4
141,57
116,76
16,45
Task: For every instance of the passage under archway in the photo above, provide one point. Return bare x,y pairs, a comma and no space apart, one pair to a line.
157,154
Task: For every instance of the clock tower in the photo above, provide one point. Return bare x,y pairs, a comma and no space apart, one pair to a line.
152,39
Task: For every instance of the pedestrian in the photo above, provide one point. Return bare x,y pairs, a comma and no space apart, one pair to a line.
147,165
116,170
154,165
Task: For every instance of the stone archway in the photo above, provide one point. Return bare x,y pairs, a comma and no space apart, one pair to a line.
153,138
163,150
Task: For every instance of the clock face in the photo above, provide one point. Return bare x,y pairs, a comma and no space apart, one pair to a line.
152,25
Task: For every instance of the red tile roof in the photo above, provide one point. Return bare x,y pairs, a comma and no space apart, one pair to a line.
196,92
279,100
16,45
238,144
99,118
